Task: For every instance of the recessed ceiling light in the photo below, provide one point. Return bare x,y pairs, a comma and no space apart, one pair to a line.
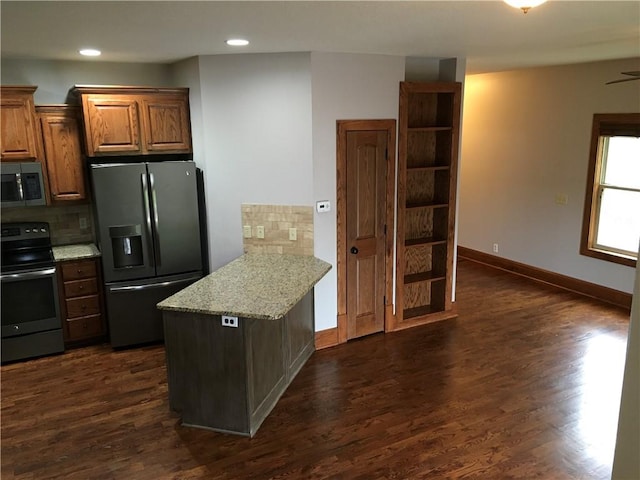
237,42
90,52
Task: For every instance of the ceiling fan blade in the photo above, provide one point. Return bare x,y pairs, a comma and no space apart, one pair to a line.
623,80
634,73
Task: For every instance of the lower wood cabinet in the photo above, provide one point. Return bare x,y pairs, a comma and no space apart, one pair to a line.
229,379
81,301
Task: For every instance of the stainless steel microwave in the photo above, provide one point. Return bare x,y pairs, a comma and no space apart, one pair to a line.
22,184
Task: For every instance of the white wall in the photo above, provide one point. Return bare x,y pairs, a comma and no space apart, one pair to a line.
255,142
626,461
422,69
526,137
55,78
345,87
187,74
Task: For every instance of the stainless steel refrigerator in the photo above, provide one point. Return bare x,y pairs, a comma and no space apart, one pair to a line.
149,234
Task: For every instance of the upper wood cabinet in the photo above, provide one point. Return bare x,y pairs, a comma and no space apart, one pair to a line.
111,125
135,120
18,137
62,146
165,122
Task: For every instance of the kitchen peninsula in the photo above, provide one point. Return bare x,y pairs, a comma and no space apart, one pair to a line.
229,377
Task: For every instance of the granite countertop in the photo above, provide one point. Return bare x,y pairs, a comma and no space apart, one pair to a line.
261,286
75,252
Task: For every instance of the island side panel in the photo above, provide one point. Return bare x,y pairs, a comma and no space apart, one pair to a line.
300,326
266,367
206,371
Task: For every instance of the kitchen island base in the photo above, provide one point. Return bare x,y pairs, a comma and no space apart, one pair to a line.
228,379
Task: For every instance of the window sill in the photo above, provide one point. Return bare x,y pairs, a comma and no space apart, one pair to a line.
618,258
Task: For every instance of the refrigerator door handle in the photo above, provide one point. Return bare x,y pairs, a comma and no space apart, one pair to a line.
156,231
147,209
129,288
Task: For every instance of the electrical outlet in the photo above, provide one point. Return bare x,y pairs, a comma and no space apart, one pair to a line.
83,223
293,234
260,231
246,231
229,321
495,248
562,199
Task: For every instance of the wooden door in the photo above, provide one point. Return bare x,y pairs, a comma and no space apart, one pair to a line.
112,124
365,226
63,152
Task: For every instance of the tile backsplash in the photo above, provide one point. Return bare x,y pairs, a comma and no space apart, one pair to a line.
277,220
64,221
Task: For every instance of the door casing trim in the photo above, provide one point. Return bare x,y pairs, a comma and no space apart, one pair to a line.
342,127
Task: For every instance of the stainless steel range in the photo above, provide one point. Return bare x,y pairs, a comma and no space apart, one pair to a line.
31,324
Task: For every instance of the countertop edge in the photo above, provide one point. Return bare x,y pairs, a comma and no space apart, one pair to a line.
77,251
312,270
243,314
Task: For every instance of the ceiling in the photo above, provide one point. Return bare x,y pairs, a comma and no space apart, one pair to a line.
490,34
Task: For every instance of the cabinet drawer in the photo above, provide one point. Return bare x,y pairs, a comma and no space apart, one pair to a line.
79,288
77,270
84,327
83,306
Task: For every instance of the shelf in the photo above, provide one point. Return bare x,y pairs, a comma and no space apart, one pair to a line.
420,311
423,277
414,242
428,129
428,168
428,133
426,205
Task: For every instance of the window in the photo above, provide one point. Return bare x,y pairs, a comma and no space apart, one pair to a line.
611,224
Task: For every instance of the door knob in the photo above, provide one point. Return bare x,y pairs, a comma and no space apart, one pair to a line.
354,250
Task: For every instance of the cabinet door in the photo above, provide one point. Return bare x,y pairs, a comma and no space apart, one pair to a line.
18,137
63,153
111,125
166,123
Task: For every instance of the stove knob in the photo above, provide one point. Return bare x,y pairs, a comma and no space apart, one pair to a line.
16,327
27,230
43,230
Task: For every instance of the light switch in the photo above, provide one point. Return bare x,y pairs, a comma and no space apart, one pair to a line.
293,234
246,231
323,206
260,231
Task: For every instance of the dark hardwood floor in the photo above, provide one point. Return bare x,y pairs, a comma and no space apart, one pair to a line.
524,384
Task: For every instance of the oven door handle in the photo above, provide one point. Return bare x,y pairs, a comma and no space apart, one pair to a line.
27,275
20,188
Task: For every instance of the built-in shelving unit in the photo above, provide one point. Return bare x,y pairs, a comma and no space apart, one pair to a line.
429,127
